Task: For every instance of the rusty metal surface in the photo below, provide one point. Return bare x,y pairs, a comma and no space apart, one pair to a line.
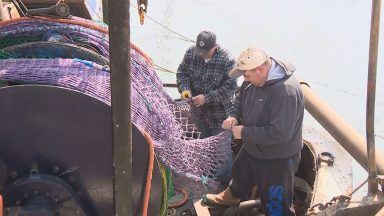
88,9
356,210
368,205
371,94
331,180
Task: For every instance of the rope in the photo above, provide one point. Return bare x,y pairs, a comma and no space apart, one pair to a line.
149,172
181,202
165,182
1,205
342,198
137,49
160,68
358,187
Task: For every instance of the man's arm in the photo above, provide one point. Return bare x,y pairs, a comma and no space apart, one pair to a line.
236,103
226,90
235,113
182,75
285,110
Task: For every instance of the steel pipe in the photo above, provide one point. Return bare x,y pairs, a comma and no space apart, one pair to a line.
119,43
371,94
340,130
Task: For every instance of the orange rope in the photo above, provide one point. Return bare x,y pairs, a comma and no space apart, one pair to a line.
149,172
1,205
181,202
133,46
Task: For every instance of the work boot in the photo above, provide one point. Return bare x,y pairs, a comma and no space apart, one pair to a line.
224,198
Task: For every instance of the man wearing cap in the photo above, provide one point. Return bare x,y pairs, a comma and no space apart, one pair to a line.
267,115
202,78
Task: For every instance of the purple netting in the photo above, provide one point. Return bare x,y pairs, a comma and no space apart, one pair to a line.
76,34
196,162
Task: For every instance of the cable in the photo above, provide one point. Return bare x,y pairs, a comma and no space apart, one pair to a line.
19,9
1,205
153,20
94,11
22,5
169,37
149,172
158,67
181,202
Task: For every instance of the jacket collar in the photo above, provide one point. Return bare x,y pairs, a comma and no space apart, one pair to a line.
288,68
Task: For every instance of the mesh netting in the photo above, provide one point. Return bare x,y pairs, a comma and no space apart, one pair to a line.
10,41
4,55
196,162
29,29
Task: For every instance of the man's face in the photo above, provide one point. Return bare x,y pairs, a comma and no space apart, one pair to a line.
256,76
207,54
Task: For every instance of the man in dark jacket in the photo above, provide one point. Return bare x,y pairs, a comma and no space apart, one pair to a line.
202,78
267,115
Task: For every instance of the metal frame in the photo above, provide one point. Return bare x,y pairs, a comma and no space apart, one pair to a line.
371,94
119,42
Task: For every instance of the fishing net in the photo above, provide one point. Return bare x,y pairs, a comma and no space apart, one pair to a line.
196,163
5,42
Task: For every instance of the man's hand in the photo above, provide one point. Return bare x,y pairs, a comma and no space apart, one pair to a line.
229,123
236,131
199,100
186,95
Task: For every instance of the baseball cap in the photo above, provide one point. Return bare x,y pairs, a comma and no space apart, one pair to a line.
206,40
248,59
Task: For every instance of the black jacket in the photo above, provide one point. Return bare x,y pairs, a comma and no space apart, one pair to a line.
272,116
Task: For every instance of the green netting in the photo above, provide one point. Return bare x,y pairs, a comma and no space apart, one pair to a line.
165,196
4,55
6,42
169,182
167,186
3,83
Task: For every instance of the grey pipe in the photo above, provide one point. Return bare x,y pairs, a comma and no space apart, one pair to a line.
119,43
371,94
342,131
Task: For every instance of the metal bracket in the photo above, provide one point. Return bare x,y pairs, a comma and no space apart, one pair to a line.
326,157
342,199
381,181
142,9
60,10
171,212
